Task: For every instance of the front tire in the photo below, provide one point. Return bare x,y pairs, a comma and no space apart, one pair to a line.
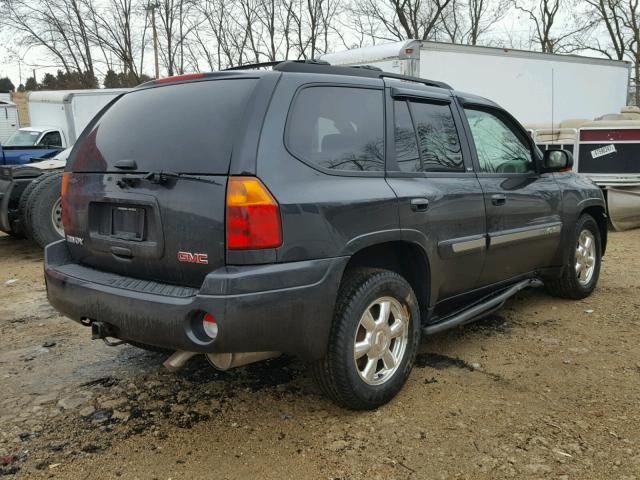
374,340
582,266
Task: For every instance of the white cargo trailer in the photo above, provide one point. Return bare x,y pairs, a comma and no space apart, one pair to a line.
68,111
535,87
8,119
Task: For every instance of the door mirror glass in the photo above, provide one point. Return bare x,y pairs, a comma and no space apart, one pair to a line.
557,160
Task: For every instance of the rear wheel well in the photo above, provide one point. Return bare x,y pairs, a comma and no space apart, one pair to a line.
406,259
599,215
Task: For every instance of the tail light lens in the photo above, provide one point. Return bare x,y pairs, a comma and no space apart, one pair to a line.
63,201
253,215
209,325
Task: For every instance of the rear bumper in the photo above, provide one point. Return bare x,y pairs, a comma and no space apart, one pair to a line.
281,307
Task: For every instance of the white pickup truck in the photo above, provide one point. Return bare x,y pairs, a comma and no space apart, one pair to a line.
30,180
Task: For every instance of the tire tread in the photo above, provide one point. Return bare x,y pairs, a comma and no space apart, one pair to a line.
567,285
333,381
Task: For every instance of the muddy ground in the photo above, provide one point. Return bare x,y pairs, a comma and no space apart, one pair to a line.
545,388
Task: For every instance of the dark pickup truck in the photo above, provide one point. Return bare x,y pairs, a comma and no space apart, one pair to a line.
333,213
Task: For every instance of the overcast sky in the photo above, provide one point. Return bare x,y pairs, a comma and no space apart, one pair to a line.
512,31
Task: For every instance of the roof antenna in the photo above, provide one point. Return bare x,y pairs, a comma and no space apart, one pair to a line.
553,127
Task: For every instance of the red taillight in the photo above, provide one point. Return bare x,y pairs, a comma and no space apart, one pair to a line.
179,78
63,201
253,215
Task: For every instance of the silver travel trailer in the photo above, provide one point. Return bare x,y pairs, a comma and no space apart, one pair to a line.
607,150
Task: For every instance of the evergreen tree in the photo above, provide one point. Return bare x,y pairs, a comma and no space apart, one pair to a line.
31,84
6,85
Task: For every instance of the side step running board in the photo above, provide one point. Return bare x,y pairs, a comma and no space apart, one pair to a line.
478,309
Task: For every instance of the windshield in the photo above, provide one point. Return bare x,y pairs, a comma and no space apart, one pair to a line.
23,138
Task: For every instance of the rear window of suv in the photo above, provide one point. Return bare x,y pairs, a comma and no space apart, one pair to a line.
338,128
183,128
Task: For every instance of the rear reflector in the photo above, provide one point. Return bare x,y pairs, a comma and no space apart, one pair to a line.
179,78
253,215
209,325
63,200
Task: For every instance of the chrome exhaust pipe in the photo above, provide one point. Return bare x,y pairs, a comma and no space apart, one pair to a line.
225,361
177,360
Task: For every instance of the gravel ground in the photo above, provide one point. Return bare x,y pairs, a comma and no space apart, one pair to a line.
545,388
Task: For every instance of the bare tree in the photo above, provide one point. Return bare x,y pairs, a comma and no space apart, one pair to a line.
58,26
631,21
544,14
401,19
311,25
465,21
119,30
175,31
609,13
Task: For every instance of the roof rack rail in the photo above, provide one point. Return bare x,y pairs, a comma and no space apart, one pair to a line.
320,66
251,66
367,67
408,78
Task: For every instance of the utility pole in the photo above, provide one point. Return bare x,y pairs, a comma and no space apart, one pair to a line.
151,7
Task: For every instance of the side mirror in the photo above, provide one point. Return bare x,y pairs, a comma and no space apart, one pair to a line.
557,161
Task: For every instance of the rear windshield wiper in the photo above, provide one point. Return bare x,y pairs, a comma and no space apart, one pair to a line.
162,177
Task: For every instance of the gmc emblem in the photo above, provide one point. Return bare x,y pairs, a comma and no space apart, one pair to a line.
188,257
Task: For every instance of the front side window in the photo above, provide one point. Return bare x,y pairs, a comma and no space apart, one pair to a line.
51,139
500,149
338,128
426,140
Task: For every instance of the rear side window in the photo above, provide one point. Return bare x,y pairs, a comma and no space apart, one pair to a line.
407,154
184,128
338,128
438,145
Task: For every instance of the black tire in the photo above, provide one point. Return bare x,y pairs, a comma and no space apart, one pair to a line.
568,285
22,205
337,373
39,206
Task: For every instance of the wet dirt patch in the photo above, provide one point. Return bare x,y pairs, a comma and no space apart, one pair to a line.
440,362
493,324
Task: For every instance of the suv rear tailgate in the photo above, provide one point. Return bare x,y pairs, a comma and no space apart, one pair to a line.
144,193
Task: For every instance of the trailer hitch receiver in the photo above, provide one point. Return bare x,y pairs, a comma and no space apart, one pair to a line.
106,332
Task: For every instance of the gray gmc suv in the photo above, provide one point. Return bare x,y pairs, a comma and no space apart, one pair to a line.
333,213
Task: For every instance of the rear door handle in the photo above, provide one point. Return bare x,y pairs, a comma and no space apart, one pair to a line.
498,199
419,204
